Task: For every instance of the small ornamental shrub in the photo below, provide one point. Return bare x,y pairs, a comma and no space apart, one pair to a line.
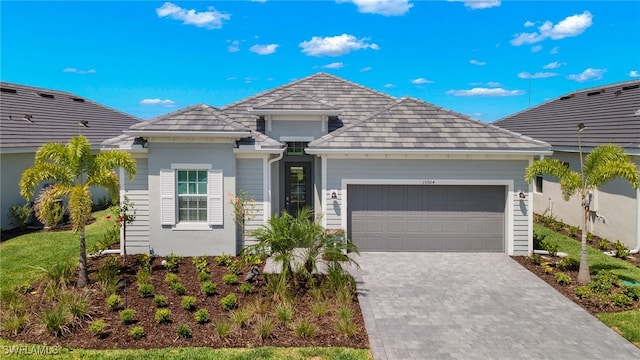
114,302
230,279
200,262
160,301
573,231
163,316
184,331
136,332
203,276
284,312
583,292
171,278
344,313
145,261
589,237
621,300
603,244
15,322
246,288
568,264
603,282
208,288
235,267
632,291
240,317
264,327
223,260
178,288
550,246
535,259
143,277
171,262
563,279
537,240
304,328
188,303
145,290
546,267
345,327
620,250
97,327
128,316
19,216
229,302
319,308
54,320
251,259
222,327
344,295
201,316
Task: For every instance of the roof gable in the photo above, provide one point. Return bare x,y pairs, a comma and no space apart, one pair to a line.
201,118
296,101
610,113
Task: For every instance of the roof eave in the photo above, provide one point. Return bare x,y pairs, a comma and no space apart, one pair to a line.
294,112
192,134
532,152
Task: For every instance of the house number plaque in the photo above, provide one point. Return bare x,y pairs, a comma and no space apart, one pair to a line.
428,182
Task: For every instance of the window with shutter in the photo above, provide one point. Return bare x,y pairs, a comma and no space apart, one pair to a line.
167,201
216,200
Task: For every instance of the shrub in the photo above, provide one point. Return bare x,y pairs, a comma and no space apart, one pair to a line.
583,292
200,262
109,274
246,288
178,288
14,322
251,259
223,260
621,300
55,320
188,303
573,231
229,302
184,331
345,327
208,288
589,236
568,264
145,262
163,316
263,327
259,306
620,250
203,276
537,240
172,262
97,327
234,267
171,278
222,327
546,267
344,295
284,312
128,316
201,316
632,292
344,313
230,279
240,317
59,273
550,246
48,212
137,332
160,301
603,282
76,303
603,244
145,290
114,302
563,279
19,216
304,328
277,286
319,308
143,277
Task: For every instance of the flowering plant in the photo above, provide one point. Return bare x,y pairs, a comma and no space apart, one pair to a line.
243,208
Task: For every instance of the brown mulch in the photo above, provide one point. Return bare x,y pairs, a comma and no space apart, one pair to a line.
165,335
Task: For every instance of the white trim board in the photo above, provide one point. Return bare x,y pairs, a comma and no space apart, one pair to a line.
509,197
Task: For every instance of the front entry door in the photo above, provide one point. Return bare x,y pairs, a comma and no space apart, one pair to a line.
297,182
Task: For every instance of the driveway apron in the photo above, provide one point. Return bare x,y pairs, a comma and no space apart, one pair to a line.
474,306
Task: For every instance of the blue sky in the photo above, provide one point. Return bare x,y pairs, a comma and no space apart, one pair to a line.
486,58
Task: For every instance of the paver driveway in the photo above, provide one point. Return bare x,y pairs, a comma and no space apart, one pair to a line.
474,306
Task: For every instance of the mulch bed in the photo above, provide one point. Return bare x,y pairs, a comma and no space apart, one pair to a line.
164,335
15,232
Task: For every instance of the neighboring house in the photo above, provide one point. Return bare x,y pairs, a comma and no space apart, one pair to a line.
30,117
395,174
610,114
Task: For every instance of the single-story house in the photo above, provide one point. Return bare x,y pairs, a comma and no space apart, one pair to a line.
397,174
610,115
31,116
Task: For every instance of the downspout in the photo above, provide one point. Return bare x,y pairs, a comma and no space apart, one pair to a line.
268,211
637,249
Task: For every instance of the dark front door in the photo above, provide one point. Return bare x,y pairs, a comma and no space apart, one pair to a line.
297,183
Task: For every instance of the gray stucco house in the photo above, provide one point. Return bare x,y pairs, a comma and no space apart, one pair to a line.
31,116
395,174
611,115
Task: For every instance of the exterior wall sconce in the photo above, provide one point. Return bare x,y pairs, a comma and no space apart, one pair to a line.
521,195
334,195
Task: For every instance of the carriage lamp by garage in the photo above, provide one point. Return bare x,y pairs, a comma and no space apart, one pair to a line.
334,195
521,195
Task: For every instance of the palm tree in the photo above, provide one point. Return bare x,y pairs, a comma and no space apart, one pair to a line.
72,169
604,163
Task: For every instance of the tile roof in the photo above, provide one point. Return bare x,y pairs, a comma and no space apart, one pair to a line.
193,118
611,114
296,101
31,116
413,124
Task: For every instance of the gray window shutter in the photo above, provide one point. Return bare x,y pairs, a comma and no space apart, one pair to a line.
168,196
216,197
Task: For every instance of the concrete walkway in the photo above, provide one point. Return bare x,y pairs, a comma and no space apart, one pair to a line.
474,306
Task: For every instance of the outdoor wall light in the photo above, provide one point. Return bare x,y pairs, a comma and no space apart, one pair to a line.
521,195
334,195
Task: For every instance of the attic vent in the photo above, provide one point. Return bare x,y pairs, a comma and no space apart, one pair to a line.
567,97
595,92
77,99
7,90
631,87
48,96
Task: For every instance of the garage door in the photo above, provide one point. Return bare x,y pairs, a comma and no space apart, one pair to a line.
426,218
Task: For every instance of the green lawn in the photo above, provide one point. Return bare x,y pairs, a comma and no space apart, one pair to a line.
18,255
627,323
597,260
190,353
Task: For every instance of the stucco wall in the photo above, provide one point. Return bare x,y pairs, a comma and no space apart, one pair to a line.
398,169
307,128
214,240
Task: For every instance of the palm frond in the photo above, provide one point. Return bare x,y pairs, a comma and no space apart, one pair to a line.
79,205
108,180
113,159
79,154
52,152
612,169
40,172
602,155
570,181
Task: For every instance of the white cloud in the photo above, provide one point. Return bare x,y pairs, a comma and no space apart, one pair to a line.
334,65
210,19
529,24
381,7
421,81
588,74
234,47
554,50
335,45
266,49
259,1
76,71
479,4
536,48
389,86
153,102
634,73
538,75
493,83
367,68
485,92
573,25
476,62
553,65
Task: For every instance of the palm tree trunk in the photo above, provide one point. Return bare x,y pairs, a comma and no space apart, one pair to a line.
583,273
83,278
